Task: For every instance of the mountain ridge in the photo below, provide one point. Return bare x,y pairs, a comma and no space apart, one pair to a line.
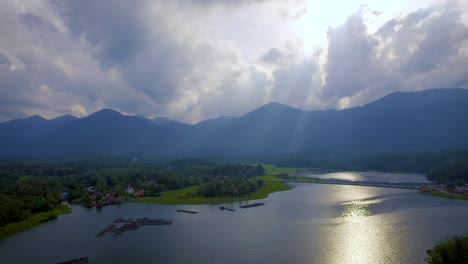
401,121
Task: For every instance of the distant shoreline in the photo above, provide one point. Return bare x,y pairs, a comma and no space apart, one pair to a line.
34,220
447,195
188,196
365,184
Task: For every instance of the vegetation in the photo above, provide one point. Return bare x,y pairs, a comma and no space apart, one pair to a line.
24,196
191,196
447,195
453,250
450,173
287,177
274,170
416,162
31,187
33,220
194,194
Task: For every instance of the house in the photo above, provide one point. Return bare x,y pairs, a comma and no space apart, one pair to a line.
150,182
459,190
426,188
139,192
110,200
129,190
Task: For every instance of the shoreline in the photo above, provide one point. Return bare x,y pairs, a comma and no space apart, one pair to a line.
187,195
447,195
36,219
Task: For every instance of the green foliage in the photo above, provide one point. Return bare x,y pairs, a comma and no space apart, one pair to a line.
416,162
453,250
29,187
230,186
450,173
190,196
32,220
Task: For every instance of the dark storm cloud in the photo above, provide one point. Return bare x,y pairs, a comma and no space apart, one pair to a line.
114,28
153,54
4,61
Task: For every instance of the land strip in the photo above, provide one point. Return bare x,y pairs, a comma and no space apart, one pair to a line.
34,220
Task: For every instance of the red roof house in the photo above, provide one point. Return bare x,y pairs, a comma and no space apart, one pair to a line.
139,192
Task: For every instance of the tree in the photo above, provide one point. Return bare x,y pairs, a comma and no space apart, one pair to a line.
453,250
259,170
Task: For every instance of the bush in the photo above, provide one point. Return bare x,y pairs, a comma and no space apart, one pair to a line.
453,250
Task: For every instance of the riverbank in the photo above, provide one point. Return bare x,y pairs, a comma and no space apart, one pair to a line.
34,220
189,196
447,195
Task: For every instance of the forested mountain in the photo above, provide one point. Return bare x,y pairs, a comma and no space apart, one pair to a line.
429,120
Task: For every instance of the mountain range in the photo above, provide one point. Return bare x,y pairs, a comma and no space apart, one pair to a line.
428,120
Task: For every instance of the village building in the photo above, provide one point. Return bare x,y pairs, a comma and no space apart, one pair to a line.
140,193
130,190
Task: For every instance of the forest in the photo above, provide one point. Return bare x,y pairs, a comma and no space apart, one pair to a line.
28,187
442,166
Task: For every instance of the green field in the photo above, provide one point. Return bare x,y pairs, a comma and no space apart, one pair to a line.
189,195
271,169
303,179
34,220
447,195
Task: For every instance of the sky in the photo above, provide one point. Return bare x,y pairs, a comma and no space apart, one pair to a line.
191,60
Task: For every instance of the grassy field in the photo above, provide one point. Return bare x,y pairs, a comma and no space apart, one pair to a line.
33,220
303,179
271,169
189,195
447,195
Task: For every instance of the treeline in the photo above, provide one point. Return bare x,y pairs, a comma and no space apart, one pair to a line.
22,196
27,187
233,180
450,173
230,186
453,250
442,166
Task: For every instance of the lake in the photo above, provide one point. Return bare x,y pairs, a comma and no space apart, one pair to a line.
311,223
370,176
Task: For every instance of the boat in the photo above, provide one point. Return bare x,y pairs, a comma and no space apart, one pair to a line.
251,205
82,260
227,209
186,211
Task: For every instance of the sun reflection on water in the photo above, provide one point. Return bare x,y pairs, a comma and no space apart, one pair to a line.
357,208
360,232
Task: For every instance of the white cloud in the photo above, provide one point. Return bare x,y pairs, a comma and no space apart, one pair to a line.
192,60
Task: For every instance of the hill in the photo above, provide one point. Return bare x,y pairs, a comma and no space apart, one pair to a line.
429,120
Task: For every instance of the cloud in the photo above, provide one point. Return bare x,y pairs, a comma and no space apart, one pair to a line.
421,50
171,58
351,59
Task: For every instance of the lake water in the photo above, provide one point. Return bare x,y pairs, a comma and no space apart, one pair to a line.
311,223
369,176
